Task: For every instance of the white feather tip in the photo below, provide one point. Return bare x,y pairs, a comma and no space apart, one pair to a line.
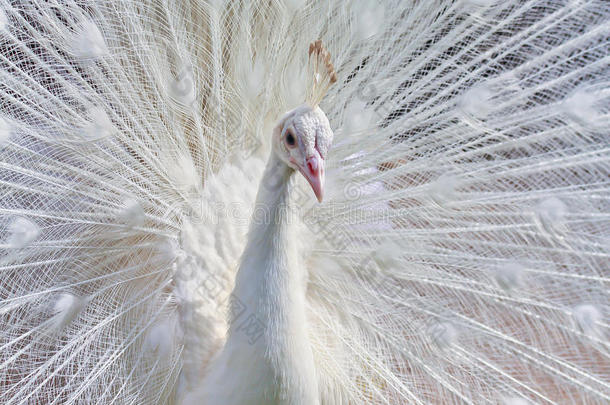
22,232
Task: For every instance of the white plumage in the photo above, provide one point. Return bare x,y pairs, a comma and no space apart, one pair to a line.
460,254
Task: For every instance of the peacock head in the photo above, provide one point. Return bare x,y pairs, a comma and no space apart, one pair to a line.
302,140
303,136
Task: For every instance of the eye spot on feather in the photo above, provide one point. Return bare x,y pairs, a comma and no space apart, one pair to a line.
22,232
477,101
3,21
132,213
183,173
585,317
5,131
551,213
509,276
66,308
100,126
387,255
581,108
443,334
358,118
161,338
368,18
182,86
480,10
444,189
88,42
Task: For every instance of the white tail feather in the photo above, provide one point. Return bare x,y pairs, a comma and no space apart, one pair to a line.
461,254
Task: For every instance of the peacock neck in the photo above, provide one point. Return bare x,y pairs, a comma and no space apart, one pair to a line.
268,309
268,278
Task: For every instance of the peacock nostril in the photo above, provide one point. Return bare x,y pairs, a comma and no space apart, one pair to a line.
312,165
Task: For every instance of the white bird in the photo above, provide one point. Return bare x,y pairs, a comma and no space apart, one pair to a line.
457,252
279,367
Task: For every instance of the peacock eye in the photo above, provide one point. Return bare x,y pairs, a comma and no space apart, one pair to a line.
290,141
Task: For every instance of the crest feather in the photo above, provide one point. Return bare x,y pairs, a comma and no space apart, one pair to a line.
320,73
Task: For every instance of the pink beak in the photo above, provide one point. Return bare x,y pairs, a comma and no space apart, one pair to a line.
314,173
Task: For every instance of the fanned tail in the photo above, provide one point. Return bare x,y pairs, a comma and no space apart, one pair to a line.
465,250
461,254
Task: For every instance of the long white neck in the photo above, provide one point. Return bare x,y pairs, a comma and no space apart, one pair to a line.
267,358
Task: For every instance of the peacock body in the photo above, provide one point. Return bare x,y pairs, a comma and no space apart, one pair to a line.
158,246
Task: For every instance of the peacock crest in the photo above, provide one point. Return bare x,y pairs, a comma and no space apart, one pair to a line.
320,73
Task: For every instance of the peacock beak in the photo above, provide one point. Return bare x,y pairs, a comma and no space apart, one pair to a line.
313,171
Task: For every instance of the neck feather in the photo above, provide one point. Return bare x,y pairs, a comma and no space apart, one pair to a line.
269,294
267,358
